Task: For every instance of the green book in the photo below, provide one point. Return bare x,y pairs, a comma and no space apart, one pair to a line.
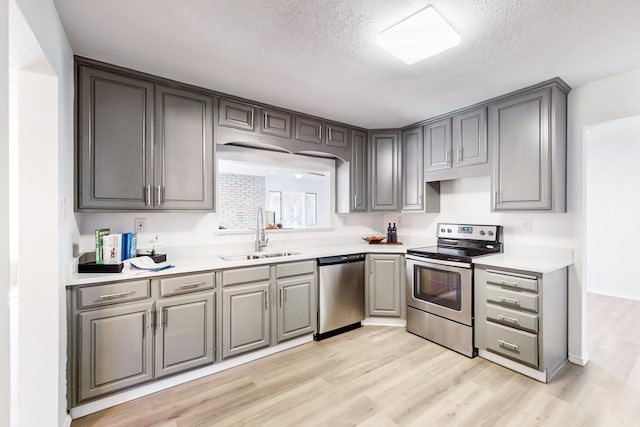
99,234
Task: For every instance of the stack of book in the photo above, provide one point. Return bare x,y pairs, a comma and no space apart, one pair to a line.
114,248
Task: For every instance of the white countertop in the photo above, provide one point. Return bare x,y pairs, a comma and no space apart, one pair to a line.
528,262
200,263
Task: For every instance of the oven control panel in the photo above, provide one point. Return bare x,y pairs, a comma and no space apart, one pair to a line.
489,233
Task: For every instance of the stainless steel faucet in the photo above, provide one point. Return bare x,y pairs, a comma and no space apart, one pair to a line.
261,239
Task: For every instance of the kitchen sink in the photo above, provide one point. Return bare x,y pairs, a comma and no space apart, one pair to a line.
248,257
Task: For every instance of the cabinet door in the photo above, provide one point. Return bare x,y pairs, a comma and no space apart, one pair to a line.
337,136
116,349
358,171
470,137
183,150
245,318
296,306
236,115
276,123
383,166
385,284
184,332
437,136
519,130
114,141
309,130
412,179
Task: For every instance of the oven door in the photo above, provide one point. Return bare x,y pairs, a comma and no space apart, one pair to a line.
443,288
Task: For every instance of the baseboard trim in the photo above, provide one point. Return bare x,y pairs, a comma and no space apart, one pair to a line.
163,384
384,321
614,294
579,360
67,421
514,366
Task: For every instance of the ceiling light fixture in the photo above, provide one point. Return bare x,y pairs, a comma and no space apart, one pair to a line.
421,35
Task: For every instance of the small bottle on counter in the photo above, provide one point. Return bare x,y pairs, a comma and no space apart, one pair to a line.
389,235
394,233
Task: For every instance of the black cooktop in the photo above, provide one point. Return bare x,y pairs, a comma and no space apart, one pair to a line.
450,254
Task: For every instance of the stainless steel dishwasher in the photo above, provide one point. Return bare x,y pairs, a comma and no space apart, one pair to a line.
340,294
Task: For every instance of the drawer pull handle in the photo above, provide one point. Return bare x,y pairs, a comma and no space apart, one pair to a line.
508,345
510,300
191,285
508,319
507,283
117,295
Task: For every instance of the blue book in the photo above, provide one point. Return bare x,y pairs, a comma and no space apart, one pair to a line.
125,246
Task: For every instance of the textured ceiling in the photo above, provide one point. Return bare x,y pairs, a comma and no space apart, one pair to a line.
320,56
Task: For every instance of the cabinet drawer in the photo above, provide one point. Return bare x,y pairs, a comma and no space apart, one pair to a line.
184,284
529,283
295,269
512,343
512,299
514,318
113,293
245,275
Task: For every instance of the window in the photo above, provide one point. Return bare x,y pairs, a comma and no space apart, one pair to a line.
294,209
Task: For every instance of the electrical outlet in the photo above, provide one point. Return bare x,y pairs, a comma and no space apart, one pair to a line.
139,225
527,225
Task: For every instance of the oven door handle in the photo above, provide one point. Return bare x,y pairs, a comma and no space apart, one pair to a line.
426,261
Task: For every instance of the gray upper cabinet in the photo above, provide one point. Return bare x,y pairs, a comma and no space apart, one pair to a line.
437,139
412,170
337,136
470,137
276,123
358,172
184,332
183,150
115,349
115,116
296,306
528,136
384,161
309,130
245,318
236,115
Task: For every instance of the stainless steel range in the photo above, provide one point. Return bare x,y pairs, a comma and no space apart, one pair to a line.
440,284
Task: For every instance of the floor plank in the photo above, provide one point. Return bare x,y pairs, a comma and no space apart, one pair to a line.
386,377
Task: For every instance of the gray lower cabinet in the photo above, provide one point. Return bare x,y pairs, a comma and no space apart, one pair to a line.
528,136
183,150
184,332
114,348
437,145
521,319
384,285
358,172
245,318
114,139
384,161
296,306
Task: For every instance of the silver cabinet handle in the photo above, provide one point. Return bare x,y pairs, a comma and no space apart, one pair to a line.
165,317
280,297
330,138
508,283
117,295
459,155
191,285
510,300
148,314
251,118
320,132
147,195
159,315
264,125
447,155
159,191
266,300
355,200
508,345
507,319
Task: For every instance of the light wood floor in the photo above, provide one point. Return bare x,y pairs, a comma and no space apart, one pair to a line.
384,376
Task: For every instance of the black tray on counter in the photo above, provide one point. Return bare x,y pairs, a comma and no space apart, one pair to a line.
92,267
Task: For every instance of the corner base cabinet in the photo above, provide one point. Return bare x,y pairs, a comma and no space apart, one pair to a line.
384,285
521,319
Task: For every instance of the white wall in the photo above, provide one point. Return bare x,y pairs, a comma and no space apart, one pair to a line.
612,156
42,18
4,215
603,100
